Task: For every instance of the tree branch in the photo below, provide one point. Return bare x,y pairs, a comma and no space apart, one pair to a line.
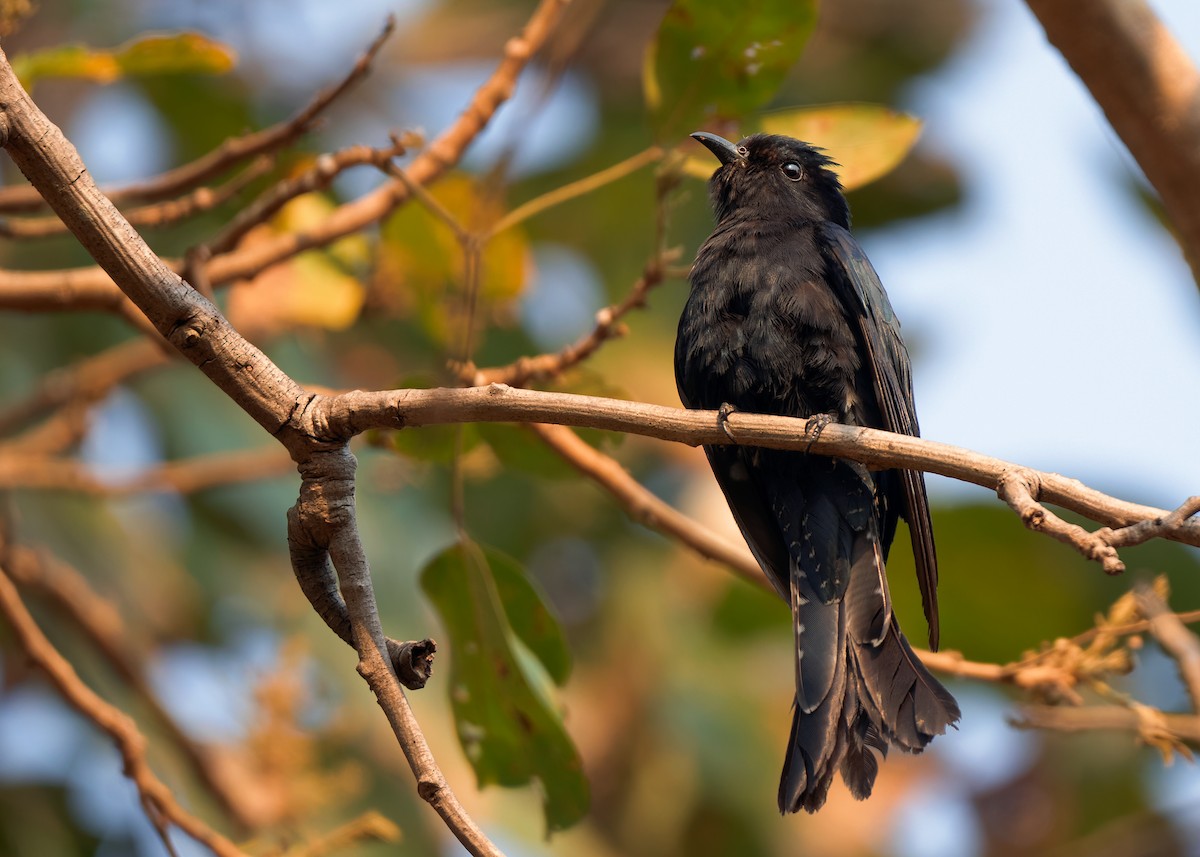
645,508
1177,641
71,594
349,413
156,214
160,804
92,288
233,151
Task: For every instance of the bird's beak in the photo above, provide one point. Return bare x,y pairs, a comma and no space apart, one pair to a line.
719,146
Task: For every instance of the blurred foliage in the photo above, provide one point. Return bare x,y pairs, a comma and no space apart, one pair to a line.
713,61
182,53
501,700
678,699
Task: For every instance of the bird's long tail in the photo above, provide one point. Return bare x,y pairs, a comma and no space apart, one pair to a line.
880,692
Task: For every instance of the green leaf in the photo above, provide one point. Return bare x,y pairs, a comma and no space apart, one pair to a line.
510,729
434,443
528,615
866,140
720,61
518,449
177,53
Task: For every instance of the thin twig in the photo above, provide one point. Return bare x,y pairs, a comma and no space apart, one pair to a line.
648,510
156,214
156,797
1176,640
527,370
576,189
228,154
1019,487
1144,531
186,476
319,176
370,826
71,594
1156,728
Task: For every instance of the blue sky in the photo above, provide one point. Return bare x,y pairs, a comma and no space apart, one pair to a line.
1056,323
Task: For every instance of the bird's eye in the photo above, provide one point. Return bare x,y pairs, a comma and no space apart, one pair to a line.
743,151
793,171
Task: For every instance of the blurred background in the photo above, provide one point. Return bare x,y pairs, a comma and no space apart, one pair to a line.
1052,322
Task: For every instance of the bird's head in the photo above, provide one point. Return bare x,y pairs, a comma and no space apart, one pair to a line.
774,177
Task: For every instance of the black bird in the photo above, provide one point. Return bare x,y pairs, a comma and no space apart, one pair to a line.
786,316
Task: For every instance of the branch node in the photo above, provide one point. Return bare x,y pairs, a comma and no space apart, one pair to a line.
413,661
428,789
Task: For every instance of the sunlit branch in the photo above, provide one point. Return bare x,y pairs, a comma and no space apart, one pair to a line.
357,411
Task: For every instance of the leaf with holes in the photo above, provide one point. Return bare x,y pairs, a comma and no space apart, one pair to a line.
506,651
720,61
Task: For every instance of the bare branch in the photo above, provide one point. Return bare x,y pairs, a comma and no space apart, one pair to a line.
233,151
1154,727
186,476
1177,641
1144,531
1148,88
71,594
1017,488
318,177
160,803
353,412
157,214
370,826
642,506
526,370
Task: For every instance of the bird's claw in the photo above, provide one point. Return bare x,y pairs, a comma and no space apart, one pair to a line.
723,413
813,427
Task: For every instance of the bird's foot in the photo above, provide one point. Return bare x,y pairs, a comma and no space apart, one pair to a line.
723,413
815,425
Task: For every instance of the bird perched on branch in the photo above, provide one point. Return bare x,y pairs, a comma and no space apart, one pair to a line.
786,316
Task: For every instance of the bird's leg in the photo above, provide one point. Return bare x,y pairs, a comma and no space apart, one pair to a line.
815,425
723,413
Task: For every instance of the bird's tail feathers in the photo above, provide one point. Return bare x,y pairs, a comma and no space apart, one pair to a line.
880,692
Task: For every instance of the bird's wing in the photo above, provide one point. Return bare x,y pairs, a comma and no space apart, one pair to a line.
892,376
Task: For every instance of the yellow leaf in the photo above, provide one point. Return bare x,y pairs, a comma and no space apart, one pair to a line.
421,265
306,291
173,53
867,141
